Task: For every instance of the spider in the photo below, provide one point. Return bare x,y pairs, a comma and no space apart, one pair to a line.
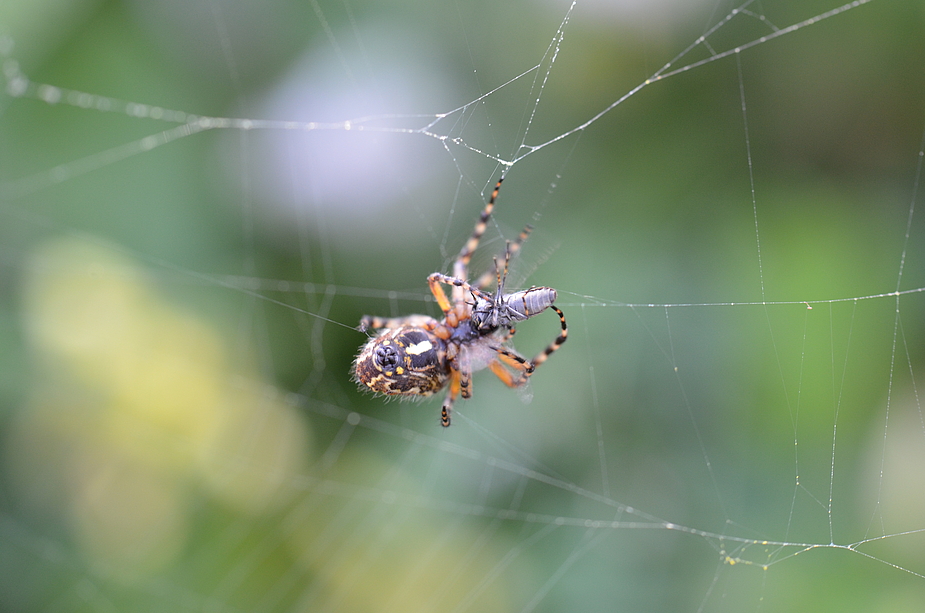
418,355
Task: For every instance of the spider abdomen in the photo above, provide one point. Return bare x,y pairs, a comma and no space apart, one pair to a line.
409,360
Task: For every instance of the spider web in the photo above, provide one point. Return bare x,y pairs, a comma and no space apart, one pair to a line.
200,200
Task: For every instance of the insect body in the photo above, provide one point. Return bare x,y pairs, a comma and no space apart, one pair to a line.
418,355
505,310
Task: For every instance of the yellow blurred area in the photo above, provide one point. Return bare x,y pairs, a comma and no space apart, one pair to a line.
370,550
134,413
135,419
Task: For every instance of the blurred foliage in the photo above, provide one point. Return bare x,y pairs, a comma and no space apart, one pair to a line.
177,425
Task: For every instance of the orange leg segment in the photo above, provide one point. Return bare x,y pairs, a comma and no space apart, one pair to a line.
451,395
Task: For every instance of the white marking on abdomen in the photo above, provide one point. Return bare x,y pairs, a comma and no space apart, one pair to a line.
419,348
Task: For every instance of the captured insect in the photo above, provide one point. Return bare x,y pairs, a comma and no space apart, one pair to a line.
418,355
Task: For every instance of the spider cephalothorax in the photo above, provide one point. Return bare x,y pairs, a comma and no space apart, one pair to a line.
418,355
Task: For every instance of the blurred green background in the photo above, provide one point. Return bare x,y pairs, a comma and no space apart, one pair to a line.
178,430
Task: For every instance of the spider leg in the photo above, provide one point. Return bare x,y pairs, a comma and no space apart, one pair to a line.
435,279
513,360
372,322
553,346
450,398
519,363
461,266
465,375
510,251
